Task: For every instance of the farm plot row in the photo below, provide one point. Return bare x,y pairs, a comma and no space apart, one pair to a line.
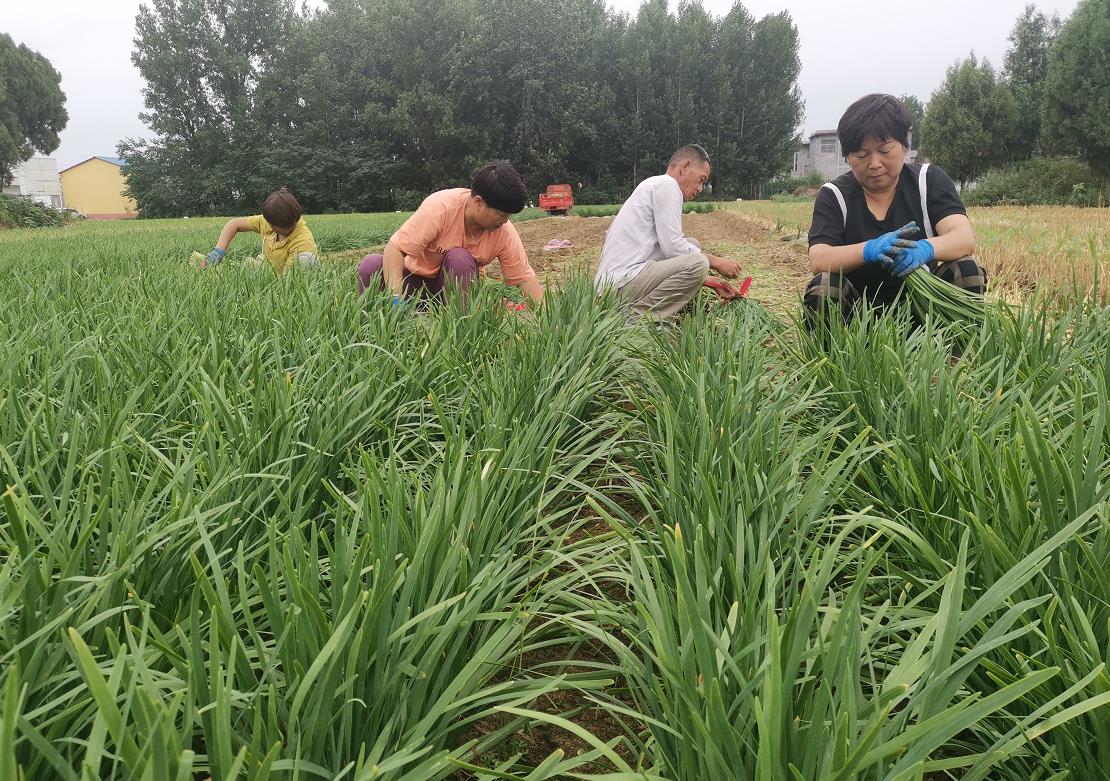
256,528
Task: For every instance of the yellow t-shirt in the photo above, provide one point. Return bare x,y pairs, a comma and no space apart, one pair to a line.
283,253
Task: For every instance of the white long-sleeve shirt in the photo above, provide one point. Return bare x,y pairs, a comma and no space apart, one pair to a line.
648,227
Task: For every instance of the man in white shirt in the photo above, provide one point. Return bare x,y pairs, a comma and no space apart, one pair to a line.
653,267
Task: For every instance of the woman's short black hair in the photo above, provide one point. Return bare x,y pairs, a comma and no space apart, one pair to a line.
500,186
876,116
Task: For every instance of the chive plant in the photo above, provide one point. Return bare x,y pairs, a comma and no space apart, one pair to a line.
256,527
1010,444
931,296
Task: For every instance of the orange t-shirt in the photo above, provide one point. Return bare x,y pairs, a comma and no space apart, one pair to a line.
438,226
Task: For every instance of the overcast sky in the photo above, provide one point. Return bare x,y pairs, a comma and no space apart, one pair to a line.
90,41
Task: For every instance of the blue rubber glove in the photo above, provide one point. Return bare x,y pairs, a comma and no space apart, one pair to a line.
914,257
887,248
214,257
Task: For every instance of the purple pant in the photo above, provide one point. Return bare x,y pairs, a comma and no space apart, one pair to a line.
458,270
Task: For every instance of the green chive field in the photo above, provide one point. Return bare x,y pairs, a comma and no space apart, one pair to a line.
256,528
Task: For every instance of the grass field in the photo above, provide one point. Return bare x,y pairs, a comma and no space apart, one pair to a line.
253,527
335,233
1022,247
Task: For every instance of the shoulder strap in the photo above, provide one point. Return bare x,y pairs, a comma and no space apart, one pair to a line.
923,187
839,199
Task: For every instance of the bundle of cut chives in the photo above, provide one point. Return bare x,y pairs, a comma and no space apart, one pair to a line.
929,294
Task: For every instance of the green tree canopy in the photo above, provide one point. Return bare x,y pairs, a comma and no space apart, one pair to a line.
1024,69
213,103
971,122
916,108
370,106
32,105
1077,86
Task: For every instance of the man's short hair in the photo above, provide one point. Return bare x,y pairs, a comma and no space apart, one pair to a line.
500,186
281,209
878,116
693,152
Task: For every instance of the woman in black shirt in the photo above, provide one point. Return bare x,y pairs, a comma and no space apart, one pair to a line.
885,217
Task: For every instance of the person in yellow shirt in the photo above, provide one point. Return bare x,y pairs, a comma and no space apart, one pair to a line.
286,239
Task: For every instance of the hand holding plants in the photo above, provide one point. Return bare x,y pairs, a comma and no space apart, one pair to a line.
886,248
213,258
913,257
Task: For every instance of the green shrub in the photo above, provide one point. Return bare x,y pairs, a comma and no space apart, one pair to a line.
787,198
788,184
23,211
407,200
609,209
1042,180
531,213
596,210
597,195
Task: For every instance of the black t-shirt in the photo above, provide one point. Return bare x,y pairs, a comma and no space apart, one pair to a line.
830,227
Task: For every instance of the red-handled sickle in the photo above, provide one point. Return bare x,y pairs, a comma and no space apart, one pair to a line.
724,287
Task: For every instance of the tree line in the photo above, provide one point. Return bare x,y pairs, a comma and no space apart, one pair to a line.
367,105
1050,98
32,106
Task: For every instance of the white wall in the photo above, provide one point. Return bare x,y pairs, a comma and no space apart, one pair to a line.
830,163
826,156
38,177
800,166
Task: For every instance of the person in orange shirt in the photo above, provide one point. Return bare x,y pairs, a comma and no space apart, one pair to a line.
452,235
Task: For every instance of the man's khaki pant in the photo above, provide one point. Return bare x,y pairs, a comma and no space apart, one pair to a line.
663,287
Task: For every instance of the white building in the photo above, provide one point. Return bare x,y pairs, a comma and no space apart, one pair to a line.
38,178
822,153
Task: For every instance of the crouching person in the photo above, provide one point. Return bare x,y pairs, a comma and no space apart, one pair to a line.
884,218
286,239
654,268
451,236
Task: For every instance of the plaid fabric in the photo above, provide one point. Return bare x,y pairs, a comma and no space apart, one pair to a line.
828,292
965,273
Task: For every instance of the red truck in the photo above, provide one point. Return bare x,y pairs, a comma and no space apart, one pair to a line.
558,199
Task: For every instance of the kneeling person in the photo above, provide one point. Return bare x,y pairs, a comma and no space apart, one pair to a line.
286,239
884,218
653,267
452,235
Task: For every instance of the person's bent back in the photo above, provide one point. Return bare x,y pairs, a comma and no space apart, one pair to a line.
451,236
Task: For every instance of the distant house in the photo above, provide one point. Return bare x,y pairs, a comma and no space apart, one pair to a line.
822,153
95,187
38,178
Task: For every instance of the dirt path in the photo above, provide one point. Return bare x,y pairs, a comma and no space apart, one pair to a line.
778,268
